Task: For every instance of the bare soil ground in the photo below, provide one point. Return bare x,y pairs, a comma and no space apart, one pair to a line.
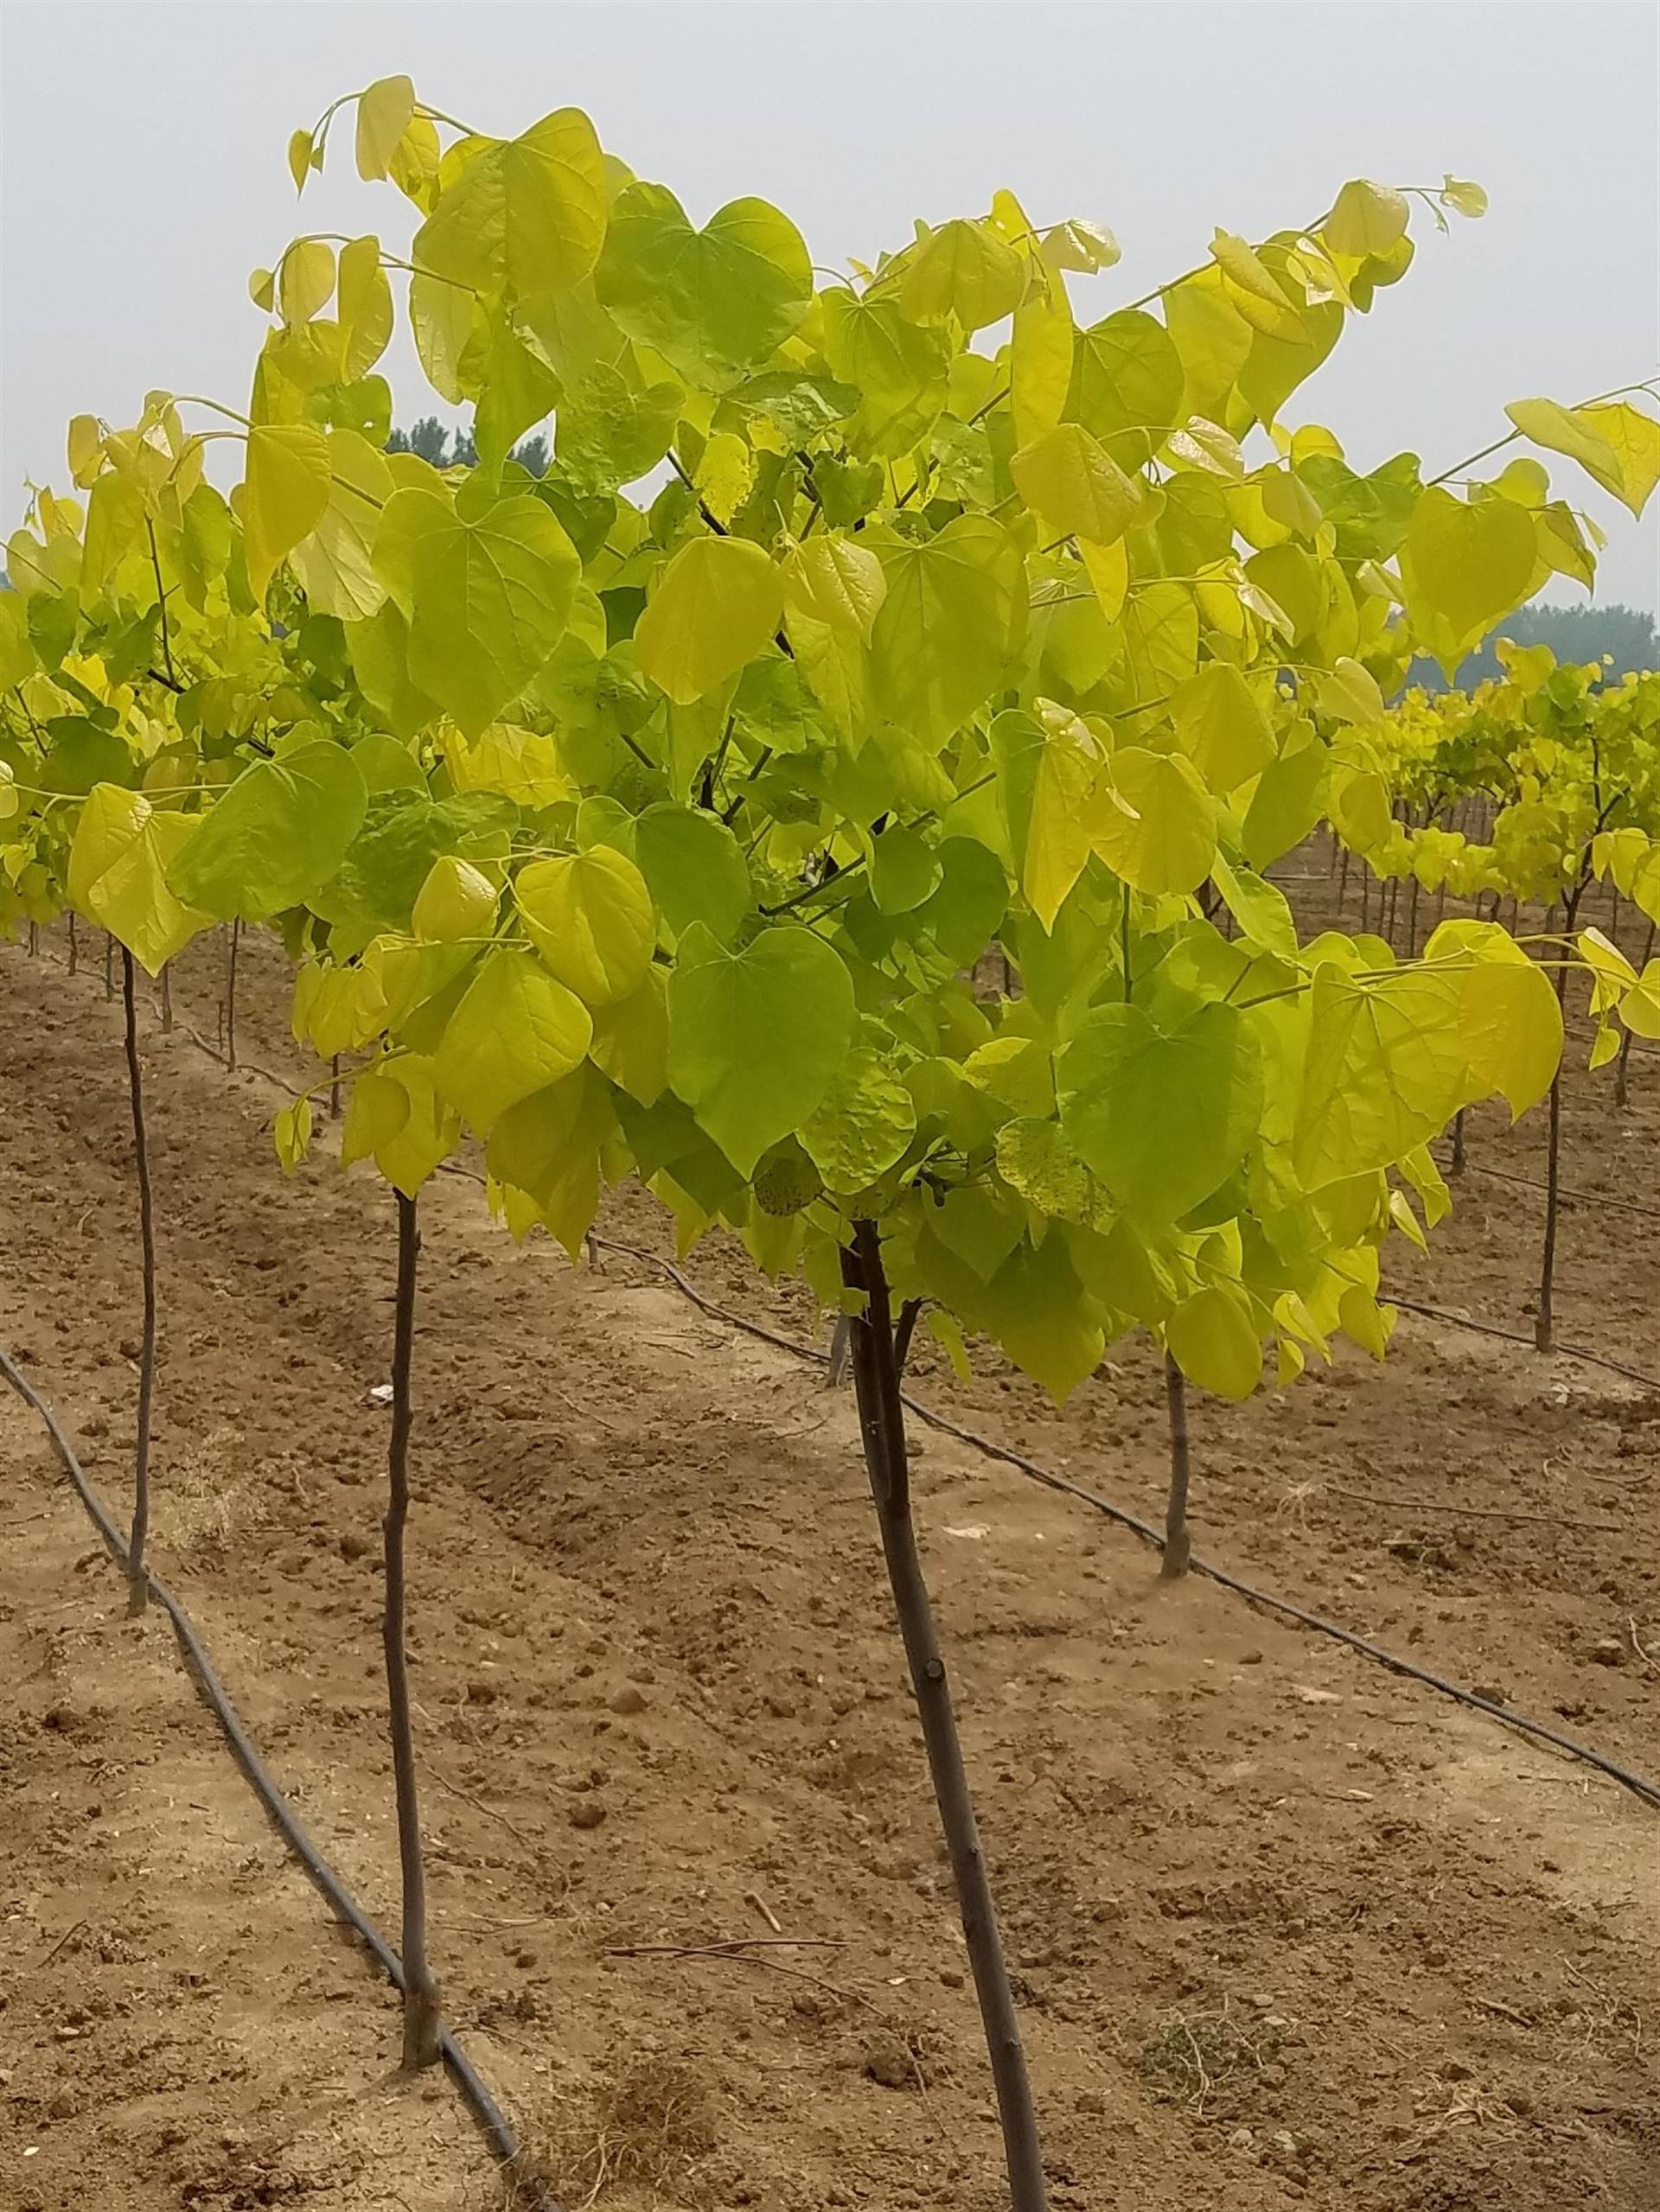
1287,1929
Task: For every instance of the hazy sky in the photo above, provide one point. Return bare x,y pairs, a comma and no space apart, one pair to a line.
142,170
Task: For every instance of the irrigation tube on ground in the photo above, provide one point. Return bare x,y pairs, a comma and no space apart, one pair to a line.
1638,1784
491,2119
483,2106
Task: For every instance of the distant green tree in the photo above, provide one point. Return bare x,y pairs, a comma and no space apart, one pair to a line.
1576,634
433,442
430,440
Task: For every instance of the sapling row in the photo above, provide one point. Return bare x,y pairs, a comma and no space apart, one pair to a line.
655,837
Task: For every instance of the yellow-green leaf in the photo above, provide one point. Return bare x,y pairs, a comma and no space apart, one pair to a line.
862,1126
285,495
1254,290
1464,196
1040,360
1075,486
1214,1341
631,1040
1386,1068
964,270
590,916
384,112
526,214
292,1132
725,475
377,1108
300,158
515,1030
118,875
457,901
717,604
1469,563
1155,824
487,596
115,528
836,581
1367,220
305,279
1221,726
1634,439
1512,1029
335,561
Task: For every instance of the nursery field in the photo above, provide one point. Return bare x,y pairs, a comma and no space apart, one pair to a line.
912,815
1285,1927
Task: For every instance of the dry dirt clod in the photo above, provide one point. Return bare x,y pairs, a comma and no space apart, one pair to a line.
886,2059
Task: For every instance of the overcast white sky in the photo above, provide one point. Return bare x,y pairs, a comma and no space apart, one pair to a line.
142,170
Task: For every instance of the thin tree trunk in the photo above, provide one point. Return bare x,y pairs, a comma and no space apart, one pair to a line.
230,998
1412,922
1178,1548
881,1420
167,999
333,1091
1544,1321
1343,880
420,1989
1543,1326
74,949
1621,1087
34,941
1456,1166
1365,895
137,1583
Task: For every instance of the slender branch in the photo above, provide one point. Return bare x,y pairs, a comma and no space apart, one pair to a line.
703,508
817,890
904,1332
161,608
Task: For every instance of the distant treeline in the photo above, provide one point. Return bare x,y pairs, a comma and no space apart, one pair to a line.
454,449
1576,634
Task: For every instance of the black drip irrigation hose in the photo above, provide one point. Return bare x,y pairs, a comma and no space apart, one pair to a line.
1638,1784
1566,1192
492,2120
1516,1336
